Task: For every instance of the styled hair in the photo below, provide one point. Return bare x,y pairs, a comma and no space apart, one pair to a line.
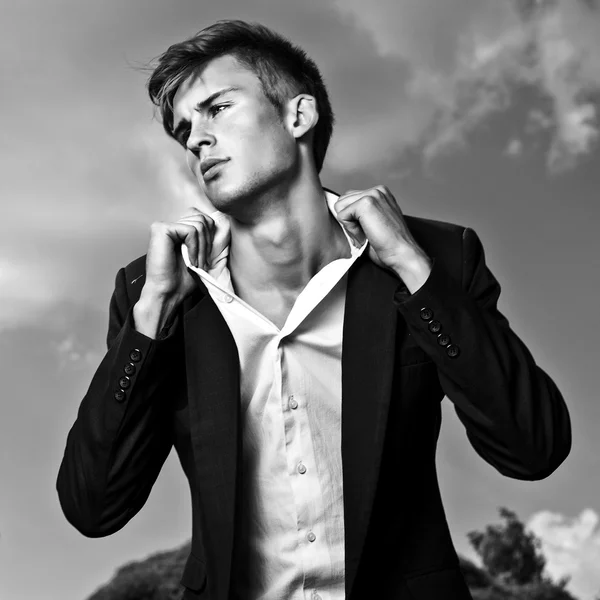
283,69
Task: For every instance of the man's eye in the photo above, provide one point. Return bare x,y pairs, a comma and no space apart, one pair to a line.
214,110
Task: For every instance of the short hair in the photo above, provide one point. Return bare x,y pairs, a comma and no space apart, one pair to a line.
283,69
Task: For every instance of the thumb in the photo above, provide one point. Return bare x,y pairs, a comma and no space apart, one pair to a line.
354,230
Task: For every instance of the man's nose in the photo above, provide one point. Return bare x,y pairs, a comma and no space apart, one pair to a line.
199,136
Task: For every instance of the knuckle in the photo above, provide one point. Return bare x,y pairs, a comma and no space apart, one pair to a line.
209,224
369,199
188,229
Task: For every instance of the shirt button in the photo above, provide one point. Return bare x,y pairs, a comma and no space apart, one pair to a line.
293,403
311,537
227,299
301,469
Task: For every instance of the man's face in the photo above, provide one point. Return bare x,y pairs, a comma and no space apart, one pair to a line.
221,112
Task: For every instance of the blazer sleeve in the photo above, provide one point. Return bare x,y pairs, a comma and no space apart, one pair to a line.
121,436
514,415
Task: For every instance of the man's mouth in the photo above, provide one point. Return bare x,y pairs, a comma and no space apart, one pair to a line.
208,166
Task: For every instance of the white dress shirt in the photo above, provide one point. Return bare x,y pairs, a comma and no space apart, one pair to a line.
291,543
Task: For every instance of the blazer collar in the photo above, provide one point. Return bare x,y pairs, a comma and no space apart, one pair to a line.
212,361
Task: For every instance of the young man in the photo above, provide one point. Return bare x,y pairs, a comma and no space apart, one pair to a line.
294,347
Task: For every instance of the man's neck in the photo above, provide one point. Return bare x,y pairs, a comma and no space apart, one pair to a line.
294,238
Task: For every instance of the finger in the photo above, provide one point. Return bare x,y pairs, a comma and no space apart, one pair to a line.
200,245
352,194
383,189
199,217
349,221
187,234
386,193
354,235
205,236
349,198
194,213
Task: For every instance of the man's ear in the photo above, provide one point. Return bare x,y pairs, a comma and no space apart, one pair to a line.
302,115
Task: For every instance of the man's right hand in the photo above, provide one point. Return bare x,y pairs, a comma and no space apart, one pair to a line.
168,281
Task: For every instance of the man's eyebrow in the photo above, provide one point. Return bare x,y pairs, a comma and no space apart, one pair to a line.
201,106
206,103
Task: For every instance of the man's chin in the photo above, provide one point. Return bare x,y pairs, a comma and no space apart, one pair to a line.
219,194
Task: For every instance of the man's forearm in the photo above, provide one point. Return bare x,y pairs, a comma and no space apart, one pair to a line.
152,312
414,270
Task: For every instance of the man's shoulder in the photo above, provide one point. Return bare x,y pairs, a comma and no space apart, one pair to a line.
442,241
433,226
136,268
437,238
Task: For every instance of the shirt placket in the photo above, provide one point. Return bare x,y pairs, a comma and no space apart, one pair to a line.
304,479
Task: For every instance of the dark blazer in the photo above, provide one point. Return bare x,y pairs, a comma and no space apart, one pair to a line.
183,390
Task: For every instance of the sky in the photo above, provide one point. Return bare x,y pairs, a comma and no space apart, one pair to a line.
478,112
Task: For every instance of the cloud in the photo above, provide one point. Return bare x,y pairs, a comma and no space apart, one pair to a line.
569,70
467,57
571,547
514,148
27,289
72,353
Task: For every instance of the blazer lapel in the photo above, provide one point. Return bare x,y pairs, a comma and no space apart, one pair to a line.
212,365
369,335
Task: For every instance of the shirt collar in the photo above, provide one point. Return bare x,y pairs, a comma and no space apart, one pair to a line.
222,237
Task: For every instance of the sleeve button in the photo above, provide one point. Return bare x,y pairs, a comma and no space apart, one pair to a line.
129,369
435,326
125,382
119,395
453,351
426,314
443,339
135,355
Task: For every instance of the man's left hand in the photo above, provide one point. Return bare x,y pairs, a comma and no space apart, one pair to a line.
374,215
